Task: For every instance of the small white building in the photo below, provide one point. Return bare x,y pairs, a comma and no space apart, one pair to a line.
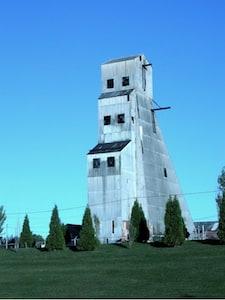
130,160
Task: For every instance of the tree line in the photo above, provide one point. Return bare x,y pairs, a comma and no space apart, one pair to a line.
175,228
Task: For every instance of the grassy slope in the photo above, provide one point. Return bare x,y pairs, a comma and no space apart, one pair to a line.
193,270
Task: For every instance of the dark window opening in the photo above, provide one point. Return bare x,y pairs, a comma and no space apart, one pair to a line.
165,172
110,83
125,81
107,120
132,118
121,118
113,226
140,57
111,161
128,97
96,163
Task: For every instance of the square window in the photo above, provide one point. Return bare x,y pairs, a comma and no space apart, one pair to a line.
110,83
96,163
107,120
121,118
111,161
125,81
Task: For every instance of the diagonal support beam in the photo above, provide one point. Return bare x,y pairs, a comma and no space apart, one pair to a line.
146,65
161,108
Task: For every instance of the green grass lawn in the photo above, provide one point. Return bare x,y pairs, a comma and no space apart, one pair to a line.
192,270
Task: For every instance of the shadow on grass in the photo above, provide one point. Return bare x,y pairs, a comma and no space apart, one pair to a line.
42,249
122,245
209,242
74,248
187,296
158,244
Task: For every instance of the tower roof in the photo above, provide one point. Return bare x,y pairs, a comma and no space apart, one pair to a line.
109,147
115,94
121,59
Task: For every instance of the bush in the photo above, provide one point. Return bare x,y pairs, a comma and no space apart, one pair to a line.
2,218
174,230
26,237
143,232
88,240
55,239
139,223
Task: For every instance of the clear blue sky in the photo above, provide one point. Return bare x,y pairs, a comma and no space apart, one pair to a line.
50,56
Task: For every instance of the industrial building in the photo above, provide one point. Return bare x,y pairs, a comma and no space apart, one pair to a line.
130,160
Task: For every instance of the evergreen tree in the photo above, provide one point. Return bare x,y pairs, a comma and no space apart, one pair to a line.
139,223
64,231
135,218
26,237
55,239
174,234
221,227
2,218
143,234
221,180
88,240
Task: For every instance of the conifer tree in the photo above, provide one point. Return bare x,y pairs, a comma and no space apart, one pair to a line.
64,231
88,240
221,182
26,237
139,223
135,219
2,218
143,234
221,227
55,239
174,234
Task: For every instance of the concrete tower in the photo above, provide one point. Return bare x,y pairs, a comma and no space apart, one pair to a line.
130,160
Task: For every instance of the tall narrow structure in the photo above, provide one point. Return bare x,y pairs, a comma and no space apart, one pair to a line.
130,160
